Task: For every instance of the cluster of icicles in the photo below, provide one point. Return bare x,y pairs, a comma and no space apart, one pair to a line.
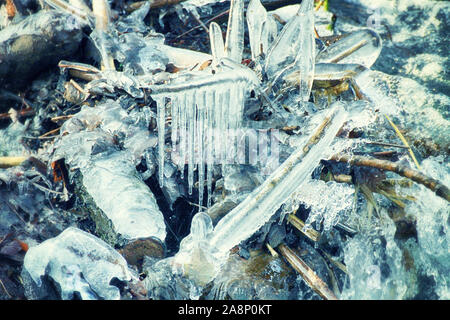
207,110
204,123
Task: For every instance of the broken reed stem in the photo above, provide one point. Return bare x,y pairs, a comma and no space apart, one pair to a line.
400,135
7,162
434,185
308,274
101,11
61,118
300,226
317,134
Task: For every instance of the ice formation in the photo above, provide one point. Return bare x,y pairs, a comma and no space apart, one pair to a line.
77,262
206,114
109,175
262,28
294,48
361,47
250,215
339,198
261,204
234,43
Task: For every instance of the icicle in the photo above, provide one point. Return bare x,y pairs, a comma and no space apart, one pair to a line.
256,16
200,144
234,43
210,100
183,134
216,39
175,125
224,124
262,203
160,103
191,115
294,40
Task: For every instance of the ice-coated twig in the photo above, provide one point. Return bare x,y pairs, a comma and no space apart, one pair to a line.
245,219
234,43
361,47
101,12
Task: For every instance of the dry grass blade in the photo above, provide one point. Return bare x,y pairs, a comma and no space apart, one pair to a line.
308,274
400,135
101,11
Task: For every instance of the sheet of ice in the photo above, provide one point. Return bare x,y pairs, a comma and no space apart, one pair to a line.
78,262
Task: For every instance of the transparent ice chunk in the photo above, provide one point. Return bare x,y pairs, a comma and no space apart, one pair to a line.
256,16
113,183
78,262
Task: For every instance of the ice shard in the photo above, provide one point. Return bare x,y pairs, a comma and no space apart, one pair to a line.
217,45
256,17
294,48
234,43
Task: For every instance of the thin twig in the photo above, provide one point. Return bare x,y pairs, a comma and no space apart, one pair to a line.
434,185
385,144
49,133
199,26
